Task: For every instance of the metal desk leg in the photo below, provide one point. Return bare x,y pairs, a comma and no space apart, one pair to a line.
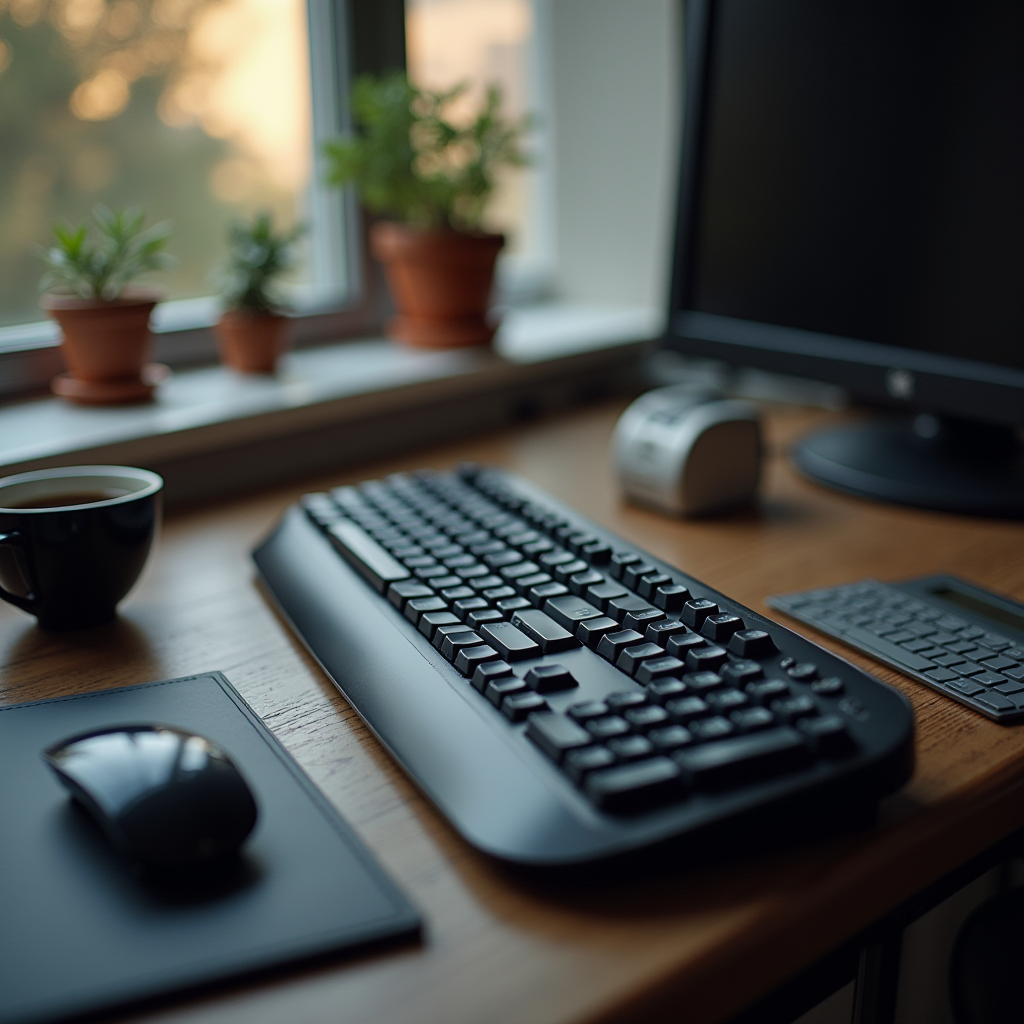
878,975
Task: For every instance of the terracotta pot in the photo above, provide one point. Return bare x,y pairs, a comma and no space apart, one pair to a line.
440,282
104,341
251,342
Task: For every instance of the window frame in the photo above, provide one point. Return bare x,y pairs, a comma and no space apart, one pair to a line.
347,38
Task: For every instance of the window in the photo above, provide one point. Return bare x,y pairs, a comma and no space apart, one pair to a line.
202,111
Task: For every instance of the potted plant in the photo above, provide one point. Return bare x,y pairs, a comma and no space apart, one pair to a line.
431,179
104,321
252,332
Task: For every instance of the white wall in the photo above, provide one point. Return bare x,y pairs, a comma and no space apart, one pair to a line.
615,81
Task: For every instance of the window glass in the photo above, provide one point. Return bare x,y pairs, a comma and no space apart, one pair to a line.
198,110
489,42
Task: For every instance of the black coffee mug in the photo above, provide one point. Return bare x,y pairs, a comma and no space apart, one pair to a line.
74,540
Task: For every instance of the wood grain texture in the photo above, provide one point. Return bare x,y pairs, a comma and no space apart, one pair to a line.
690,943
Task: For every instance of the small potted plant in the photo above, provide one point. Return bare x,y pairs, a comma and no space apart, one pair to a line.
430,179
252,332
104,320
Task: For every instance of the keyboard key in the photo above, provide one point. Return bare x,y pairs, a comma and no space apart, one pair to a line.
619,562
641,618
540,594
498,689
366,556
612,644
985,678
524,584
702,682
556,735
941,675
581,582
499,593
671,737
569,611
752,719
521,706
714,728
509,605
659,632
626,699
648,717
647,585
704,659
468,659
657,668
964,687
631,748
686,709
515,571
748,758
630,658
680,643
587,709
669,688
998,663
455,642
695,612
670,598
608,727
739,673
767,691
792,709
587,759
564,572
550,679
601,593
513,644
634,787
803,671
721,626
727,699
418,606
632,574
406,590
483,584
591,631
469,604
431,621
488,672
995,701
620,607
476,619
544,630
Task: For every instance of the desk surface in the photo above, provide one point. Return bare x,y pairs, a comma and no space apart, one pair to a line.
501,949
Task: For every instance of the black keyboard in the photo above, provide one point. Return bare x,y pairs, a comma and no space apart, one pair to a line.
560,695
960,640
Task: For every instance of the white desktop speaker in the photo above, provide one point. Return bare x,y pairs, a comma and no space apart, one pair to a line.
688,453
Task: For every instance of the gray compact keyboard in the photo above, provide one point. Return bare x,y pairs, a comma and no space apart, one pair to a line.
960,640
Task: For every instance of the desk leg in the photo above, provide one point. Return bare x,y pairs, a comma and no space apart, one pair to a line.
878,975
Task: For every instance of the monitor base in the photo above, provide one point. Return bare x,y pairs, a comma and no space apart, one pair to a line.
948,465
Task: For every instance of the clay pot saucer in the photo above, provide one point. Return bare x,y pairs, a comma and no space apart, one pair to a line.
111,392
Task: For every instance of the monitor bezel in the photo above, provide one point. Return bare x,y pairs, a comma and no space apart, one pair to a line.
905,378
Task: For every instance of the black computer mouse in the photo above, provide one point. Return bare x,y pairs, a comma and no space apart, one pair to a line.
165,798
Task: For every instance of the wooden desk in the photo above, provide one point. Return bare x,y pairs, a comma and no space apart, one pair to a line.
700,944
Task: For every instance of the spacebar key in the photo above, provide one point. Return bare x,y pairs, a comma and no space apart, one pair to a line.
366,556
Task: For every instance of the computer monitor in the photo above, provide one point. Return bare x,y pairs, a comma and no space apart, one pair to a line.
852,210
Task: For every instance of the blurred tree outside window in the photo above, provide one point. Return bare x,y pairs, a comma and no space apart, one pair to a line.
198,110
497,42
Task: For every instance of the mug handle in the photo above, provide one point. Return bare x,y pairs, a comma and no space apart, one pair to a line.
14,572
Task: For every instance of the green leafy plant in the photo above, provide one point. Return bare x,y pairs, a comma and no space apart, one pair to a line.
99,264
258,258
410,162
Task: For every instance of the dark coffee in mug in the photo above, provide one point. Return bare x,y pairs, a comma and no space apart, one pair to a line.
63,500
73,541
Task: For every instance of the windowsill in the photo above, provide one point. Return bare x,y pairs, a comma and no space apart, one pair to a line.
200,412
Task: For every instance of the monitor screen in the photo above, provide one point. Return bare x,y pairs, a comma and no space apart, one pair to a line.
853,190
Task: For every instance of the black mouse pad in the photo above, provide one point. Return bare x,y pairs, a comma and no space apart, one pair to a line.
80,933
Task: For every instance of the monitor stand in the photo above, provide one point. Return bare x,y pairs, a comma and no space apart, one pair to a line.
945,464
